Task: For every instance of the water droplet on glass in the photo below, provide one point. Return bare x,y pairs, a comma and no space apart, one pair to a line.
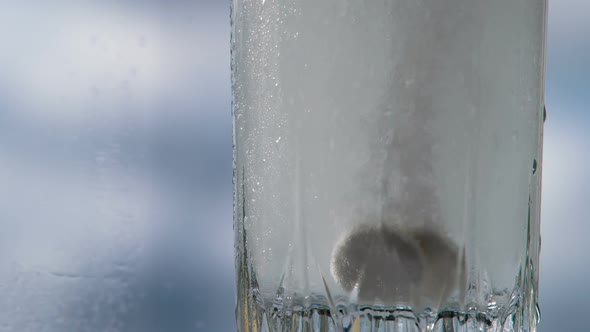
544,113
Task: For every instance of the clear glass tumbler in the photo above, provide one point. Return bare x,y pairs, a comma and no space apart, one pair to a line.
387,164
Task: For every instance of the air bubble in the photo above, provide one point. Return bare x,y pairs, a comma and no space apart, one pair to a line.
515,135
347,321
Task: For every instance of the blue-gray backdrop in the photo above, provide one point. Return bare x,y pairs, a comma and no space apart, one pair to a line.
115,167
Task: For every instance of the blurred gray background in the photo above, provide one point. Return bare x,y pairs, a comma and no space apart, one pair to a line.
115,167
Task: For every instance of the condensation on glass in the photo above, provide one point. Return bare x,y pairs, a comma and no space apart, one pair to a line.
387,161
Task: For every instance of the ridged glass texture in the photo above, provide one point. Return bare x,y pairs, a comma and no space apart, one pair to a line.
387,164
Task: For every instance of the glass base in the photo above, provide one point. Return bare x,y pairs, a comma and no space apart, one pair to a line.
399,320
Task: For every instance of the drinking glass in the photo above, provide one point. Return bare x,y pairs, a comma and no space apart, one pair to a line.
387,164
